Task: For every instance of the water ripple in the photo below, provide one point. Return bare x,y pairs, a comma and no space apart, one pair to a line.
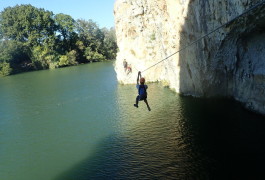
86,127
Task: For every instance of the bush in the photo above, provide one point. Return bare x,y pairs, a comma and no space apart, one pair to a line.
71,56
44,58
53,65
63,61
15,54
98,56
93,55
68,59
5,69
38,57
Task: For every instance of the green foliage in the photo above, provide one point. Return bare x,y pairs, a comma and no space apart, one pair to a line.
99,57
63,61
14,53
71,56
42,57
38,58
66,28
100,43
110,43
5,69
65,25
26,23
93,55
32,38
68,59
80,45
90,34
53,65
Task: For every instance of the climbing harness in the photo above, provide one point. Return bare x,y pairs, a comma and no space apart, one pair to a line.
216,29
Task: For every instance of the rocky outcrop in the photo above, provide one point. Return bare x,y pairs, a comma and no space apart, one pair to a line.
229,62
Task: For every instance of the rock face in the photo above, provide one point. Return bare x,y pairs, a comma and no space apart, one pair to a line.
230,62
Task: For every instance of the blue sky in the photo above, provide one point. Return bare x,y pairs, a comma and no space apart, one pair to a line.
100,11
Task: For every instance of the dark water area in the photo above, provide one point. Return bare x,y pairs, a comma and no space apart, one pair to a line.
78,123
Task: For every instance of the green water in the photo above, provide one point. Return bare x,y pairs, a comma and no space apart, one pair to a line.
79,123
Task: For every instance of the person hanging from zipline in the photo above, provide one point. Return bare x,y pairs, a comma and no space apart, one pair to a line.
142,93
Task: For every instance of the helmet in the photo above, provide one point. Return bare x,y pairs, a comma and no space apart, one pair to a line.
142,80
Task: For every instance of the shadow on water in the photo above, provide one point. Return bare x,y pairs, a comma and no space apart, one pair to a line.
190,139
231,138
181,138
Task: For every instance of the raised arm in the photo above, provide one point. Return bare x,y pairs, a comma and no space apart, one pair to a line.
138,77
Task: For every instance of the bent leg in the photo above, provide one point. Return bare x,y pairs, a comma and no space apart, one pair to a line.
136,101
145,100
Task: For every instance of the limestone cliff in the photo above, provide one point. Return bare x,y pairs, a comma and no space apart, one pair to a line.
230,62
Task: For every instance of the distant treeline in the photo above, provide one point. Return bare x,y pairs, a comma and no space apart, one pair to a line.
32,38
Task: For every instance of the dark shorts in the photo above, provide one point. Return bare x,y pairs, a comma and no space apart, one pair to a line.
140,98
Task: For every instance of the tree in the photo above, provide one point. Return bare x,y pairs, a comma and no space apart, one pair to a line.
5,69
32,38
90,34
66,27
27,24
15,54
68,59
24,29
110,43
43,57
93,55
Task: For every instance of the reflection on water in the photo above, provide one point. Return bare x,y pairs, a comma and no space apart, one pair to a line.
87,128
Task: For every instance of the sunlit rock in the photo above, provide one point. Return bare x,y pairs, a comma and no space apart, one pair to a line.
229,62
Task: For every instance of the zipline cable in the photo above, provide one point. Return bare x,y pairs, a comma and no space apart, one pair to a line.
194,42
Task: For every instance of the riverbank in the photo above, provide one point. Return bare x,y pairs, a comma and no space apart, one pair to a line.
29,67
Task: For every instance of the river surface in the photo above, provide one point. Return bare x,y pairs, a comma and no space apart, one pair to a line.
78,123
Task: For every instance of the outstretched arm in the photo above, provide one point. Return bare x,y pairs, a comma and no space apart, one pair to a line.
138,77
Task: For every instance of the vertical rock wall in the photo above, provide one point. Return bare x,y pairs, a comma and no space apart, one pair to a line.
148,31
229,62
